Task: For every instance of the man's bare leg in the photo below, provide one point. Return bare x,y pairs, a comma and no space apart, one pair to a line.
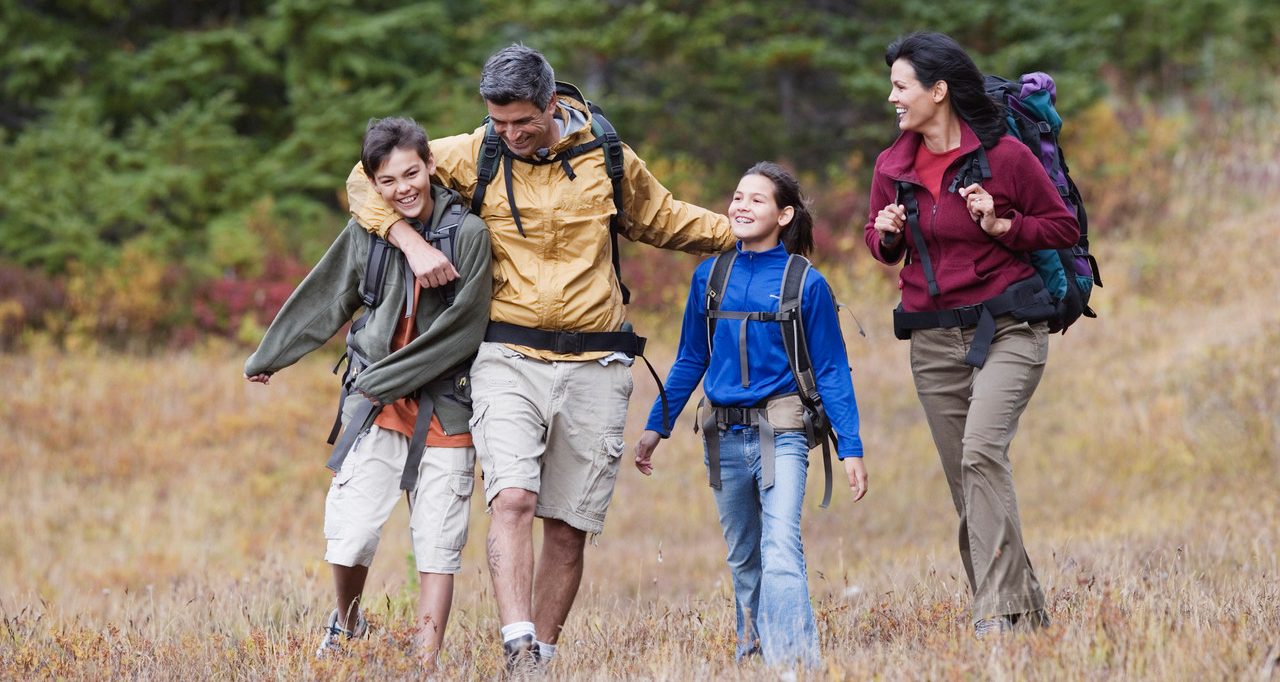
510,550
558,577
435,596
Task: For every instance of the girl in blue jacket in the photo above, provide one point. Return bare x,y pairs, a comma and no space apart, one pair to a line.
759,487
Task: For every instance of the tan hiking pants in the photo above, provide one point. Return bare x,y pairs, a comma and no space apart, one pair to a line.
973,415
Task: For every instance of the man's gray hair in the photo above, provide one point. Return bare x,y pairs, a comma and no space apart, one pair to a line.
518,74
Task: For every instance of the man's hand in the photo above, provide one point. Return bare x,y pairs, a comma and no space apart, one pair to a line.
430,266
644,451
264,378
857,472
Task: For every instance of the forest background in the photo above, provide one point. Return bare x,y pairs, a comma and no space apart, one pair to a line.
172,168
169,170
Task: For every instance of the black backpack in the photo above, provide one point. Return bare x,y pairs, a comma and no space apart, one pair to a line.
493,151
817,425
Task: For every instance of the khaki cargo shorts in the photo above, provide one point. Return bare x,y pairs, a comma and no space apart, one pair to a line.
552,428
366,489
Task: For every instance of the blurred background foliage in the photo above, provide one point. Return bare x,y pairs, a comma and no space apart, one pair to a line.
170,168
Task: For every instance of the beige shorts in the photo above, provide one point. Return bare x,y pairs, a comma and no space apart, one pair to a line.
552,428
365,491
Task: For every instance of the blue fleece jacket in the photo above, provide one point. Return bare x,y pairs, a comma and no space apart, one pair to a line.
755,283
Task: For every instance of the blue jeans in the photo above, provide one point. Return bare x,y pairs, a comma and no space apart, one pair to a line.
766,556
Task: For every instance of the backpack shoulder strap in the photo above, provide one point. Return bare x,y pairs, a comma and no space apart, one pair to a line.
443,238
486,164
906,195
817,425
611,144
716,283
375,271
790,301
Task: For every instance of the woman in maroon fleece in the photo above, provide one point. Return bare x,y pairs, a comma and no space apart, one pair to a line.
964,203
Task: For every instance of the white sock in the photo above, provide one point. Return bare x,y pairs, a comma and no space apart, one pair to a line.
546,651
514,631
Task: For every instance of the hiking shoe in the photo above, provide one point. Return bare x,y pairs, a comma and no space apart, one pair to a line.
524,657
992,627
334,635
1031,620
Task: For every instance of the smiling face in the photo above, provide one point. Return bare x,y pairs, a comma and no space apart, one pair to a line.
754,214
915,105
404,181
524,127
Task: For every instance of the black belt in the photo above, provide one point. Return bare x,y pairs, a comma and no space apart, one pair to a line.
568,342
571,342
1026,300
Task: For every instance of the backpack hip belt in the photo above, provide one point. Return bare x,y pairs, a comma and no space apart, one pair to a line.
571,342
783,413
1026,300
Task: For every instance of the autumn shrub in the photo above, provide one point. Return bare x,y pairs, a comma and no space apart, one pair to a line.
30,302
241,307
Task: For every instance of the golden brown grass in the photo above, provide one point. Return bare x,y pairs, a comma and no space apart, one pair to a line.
160,518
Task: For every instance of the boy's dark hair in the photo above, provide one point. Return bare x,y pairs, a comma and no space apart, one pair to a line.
796,236
386,134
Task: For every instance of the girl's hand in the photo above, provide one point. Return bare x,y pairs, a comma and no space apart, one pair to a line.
644,451
857,472
982,208
890,221
263,378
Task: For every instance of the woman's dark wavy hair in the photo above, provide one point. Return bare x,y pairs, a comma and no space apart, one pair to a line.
938,57
796,236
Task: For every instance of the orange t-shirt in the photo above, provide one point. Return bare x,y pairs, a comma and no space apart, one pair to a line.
401,415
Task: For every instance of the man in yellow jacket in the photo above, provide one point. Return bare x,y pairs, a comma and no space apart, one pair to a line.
551,383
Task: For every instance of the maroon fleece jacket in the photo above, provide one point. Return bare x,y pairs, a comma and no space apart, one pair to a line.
969,265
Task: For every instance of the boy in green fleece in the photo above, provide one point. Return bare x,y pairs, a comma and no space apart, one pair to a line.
409,353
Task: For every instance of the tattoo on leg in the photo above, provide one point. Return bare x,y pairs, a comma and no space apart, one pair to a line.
495,555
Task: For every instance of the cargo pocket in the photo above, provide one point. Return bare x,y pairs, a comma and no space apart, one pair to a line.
453,529
483,455
598,491
350,464
336,503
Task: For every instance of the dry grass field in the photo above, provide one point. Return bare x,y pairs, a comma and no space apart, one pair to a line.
161,519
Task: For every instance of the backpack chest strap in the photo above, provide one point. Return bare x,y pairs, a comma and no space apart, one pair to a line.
754,316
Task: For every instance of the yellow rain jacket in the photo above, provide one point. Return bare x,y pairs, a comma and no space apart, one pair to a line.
559,274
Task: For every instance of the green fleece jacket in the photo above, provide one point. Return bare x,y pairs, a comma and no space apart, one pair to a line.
448,338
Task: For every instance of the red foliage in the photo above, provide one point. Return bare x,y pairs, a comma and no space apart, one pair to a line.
220,306
38,298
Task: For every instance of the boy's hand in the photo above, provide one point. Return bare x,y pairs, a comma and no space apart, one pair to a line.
264,378
857,472
644,451
429,265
